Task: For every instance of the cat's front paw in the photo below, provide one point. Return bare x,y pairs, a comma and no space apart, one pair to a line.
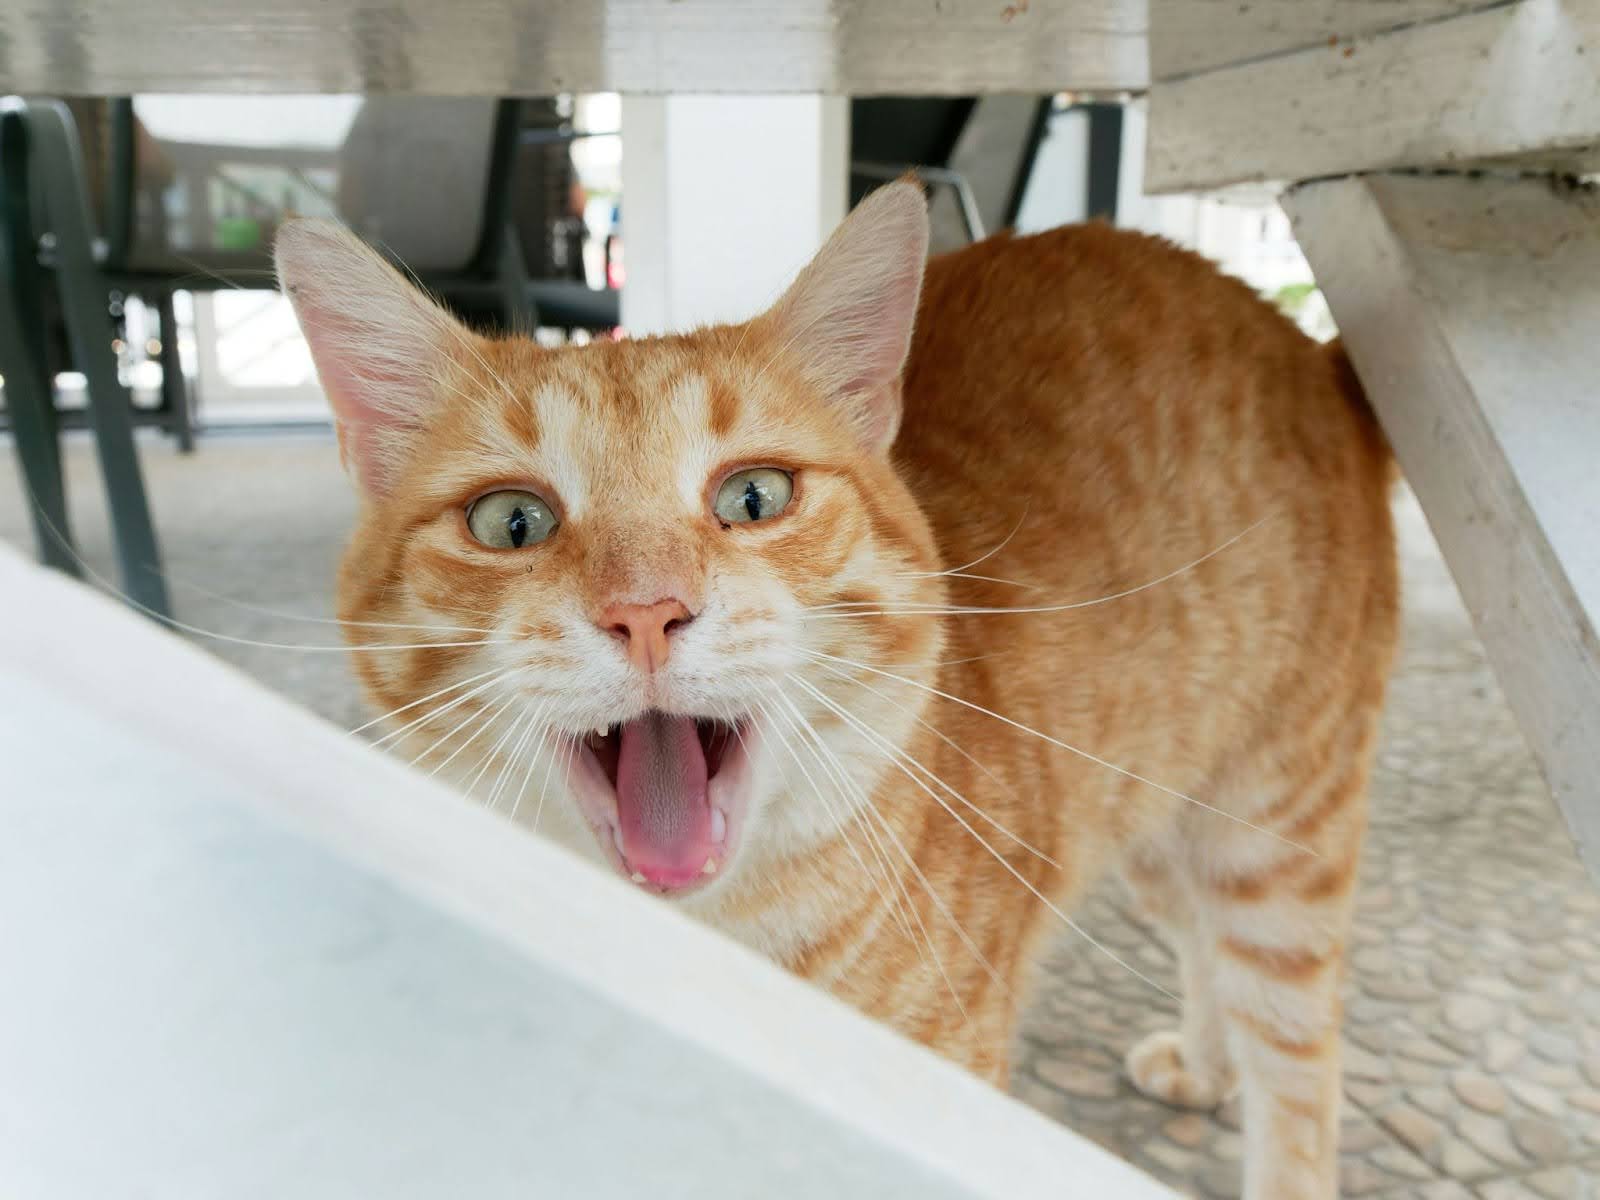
1157,1067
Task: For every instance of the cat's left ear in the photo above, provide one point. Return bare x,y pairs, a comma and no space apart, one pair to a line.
847,318
380,345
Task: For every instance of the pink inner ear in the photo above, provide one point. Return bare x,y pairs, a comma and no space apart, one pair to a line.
375,400
877,352
865,347
362,452
848,316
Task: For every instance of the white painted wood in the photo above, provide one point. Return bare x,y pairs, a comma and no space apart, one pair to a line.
538,47
1188,36
725,199
1516,83
246,956
494,47
1471,308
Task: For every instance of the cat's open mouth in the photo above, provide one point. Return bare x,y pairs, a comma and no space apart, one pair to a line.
666,795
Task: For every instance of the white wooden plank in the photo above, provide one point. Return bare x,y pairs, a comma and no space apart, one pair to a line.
1519,82
1187,36
246,956
538,47
1471,308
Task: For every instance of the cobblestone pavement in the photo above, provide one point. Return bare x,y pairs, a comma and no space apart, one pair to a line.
1473,1003
1472,1061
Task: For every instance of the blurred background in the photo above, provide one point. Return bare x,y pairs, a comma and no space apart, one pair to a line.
482,198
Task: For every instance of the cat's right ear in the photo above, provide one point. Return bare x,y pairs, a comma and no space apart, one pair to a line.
846,320
379,344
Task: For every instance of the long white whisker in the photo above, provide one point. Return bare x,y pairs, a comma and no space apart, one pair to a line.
248,606
1084,754
980,578
914,609
369,647
899,893
435,713
893,902
481,715
173,622
866,805
489,755
870,735
572,755
938,902
533,760
942,736
394,712
508,771
550,770
982,558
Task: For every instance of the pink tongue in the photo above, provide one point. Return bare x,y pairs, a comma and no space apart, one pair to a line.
662,808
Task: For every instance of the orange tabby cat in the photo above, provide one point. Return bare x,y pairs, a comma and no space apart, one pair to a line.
873,641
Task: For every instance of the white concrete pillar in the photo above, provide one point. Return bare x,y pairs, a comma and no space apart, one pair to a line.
724,198
1177,217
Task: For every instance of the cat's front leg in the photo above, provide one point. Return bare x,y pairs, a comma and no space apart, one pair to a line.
1187,1067
1261,931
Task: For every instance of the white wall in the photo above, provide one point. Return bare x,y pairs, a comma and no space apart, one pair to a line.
1058,188
724,199
1242,229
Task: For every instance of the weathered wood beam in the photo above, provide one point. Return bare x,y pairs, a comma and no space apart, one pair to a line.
538,47
1471,308
1188,36
1517,83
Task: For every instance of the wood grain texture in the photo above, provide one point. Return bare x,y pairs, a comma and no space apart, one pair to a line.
1188,36
1470,307
495,47
1517,83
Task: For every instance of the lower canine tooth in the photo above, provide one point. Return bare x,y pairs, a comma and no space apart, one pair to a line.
719,825
616,837
710,868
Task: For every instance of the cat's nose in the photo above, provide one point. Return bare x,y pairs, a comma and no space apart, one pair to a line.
644,630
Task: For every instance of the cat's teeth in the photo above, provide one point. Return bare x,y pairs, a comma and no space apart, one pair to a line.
616,838
600,731
637,877
710,868
719,826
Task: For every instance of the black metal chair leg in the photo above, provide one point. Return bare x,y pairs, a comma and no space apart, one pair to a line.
174,388
517,308
1105,161
28,395
54,155
35,434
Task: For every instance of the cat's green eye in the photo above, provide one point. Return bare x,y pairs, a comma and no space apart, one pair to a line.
753,495
510,520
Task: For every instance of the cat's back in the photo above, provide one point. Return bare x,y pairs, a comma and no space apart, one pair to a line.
1088,326
1090,368
1117,412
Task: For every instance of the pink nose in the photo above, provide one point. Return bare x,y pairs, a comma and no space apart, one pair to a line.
643,628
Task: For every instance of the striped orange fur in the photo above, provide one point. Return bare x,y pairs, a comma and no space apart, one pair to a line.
1087,422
